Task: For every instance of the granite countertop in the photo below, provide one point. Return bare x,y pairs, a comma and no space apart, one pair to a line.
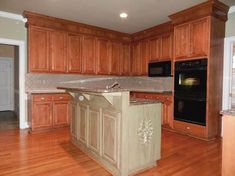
230,112
45,91
140,101
104,90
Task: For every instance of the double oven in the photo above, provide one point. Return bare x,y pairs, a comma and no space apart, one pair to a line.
190,85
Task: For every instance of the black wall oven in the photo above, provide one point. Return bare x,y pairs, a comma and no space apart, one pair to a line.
190,91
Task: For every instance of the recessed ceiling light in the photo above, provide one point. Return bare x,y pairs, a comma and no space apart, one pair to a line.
123,15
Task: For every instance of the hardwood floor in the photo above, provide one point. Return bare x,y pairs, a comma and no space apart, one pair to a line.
52,154
8,120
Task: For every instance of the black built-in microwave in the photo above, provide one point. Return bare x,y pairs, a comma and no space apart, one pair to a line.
159,69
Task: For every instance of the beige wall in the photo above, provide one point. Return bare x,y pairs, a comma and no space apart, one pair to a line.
230,25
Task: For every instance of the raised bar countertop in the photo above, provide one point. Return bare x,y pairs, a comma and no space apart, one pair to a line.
230,112
104,90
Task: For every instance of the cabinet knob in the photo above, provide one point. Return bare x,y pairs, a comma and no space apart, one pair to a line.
61,98
188,128
42,98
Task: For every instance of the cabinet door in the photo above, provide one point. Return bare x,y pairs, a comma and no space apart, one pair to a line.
166,47
94,130
61,113
110,137
181,42
82,123
199,37
155,46
38,50
74,53
125,59
42,115
144,56
103,56
136,63
58,43
88,55
116,52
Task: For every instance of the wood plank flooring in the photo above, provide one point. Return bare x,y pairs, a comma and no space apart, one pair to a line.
52,154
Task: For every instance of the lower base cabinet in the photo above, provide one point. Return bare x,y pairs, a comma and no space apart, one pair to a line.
49,111
167,105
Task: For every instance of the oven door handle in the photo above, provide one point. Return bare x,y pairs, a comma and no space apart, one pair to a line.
190,98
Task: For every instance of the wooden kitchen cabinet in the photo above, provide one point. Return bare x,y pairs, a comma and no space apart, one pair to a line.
116,54
88,55
74,53
182,41
49,111
167,105
144,52
39,52
58,51
125,61
166,46
136,62
199,37
192,39
154,45
103,56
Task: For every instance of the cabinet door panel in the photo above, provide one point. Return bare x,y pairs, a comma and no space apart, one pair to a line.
82,132
115,58
199,37
103,56
110,139
94,130
74,53
38,50
58,51
144,56
155,48
125,59
41,115
136,63
88,55
181,43
167,47
61,113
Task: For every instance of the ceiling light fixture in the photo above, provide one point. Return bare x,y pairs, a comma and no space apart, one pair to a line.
123,15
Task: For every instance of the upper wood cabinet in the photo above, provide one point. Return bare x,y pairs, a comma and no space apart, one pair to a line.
191,39
136,62
74,53
166,46
103,56
154,45
182,46
144,47
116,54
58,51
88,55
38,50
125,61
199,37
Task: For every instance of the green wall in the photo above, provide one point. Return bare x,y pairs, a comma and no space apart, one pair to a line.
230,25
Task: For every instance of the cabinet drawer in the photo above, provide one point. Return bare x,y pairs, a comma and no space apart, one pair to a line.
41,97
190,129
59,97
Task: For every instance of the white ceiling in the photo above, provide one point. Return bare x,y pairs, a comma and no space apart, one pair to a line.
105,13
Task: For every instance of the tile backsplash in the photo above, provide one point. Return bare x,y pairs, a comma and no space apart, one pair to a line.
37,82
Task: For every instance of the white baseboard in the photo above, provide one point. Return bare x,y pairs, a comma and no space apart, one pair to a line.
24,125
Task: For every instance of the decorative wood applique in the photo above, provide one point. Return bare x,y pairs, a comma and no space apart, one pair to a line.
145,131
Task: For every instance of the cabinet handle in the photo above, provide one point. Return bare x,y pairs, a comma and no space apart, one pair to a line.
61,98
42,98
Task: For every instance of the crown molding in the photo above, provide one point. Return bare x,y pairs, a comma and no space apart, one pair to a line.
13,16
231,10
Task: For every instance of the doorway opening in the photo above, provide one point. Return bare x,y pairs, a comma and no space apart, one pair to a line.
9,87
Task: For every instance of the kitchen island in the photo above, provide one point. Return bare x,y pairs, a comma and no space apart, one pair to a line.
121,134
